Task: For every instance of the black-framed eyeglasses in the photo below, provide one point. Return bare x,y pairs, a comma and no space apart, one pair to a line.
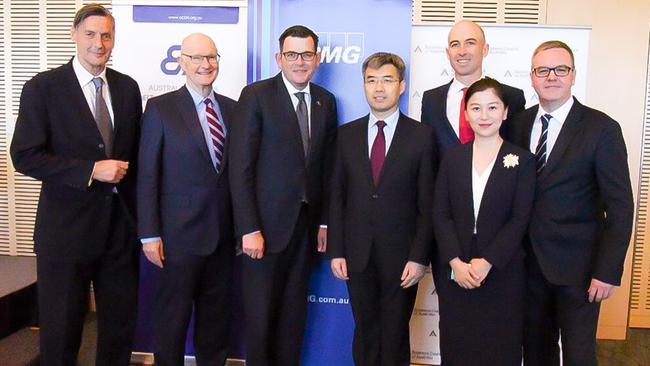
293,56
560,70
198,59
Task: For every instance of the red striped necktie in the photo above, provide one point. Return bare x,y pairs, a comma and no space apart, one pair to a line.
217,133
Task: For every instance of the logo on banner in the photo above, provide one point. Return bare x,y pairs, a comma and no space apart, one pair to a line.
169,65
341,47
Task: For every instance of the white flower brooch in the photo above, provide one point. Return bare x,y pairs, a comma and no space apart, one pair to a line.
510,161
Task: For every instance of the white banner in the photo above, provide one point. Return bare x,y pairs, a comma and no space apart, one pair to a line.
508,60
149,38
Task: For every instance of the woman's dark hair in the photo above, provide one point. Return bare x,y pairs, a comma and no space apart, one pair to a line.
485,84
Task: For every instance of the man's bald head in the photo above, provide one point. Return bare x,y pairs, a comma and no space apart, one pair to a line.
200,61
466,48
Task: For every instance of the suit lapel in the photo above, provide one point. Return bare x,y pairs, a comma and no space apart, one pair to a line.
225,118
494,181
289,113
186,108
442,110
570,127
317,121
117,105
397,146
362,148
465,186
76,96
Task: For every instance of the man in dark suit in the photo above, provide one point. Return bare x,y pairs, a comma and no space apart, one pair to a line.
77,132
442,107
280,155
184,208
380,229
582,218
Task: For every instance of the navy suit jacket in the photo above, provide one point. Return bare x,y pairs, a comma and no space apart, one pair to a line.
269,176
181,196
434,113
582,219
396,213
56,141
504,213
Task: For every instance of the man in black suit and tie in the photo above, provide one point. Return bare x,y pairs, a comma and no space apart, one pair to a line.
582,218
443,107
77,131
380,228
184,208
280,156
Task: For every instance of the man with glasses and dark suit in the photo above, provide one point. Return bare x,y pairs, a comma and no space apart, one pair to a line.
184,209
280,157
581,221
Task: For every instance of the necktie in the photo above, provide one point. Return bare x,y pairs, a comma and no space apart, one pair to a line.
465,132
217,133
540,151
103,117
303,121
378,152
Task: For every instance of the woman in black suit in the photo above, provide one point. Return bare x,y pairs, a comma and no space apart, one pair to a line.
483,198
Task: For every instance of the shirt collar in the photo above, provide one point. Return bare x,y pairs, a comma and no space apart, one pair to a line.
83,76
456,86
559,114
391,121
292,89
198,98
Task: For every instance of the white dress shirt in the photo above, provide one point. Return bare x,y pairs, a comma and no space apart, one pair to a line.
478,186
203,119
554,126
454,97
389,130
85,79
294,99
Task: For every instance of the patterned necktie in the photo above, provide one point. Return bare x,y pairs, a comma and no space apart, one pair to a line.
103,117
540,151
217,133
465,132
303,121
378,152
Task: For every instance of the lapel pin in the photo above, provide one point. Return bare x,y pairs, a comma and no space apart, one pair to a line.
318,103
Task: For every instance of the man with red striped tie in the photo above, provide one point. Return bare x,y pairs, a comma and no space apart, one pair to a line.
184,208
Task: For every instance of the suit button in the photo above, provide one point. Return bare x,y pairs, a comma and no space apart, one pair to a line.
375,196
101,146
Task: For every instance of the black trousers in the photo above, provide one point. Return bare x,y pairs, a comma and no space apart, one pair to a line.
382,310
194,283
274,290
63,288
553,311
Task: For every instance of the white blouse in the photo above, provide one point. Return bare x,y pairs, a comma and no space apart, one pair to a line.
478,186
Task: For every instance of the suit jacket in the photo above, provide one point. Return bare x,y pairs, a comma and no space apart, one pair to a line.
57,142
582,220
269,176
434,113
396,213
181,196
503,216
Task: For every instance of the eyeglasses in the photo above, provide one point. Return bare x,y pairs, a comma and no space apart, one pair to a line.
543,71
384,81
293,56
198,59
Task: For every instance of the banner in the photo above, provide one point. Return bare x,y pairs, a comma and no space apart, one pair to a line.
508,59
